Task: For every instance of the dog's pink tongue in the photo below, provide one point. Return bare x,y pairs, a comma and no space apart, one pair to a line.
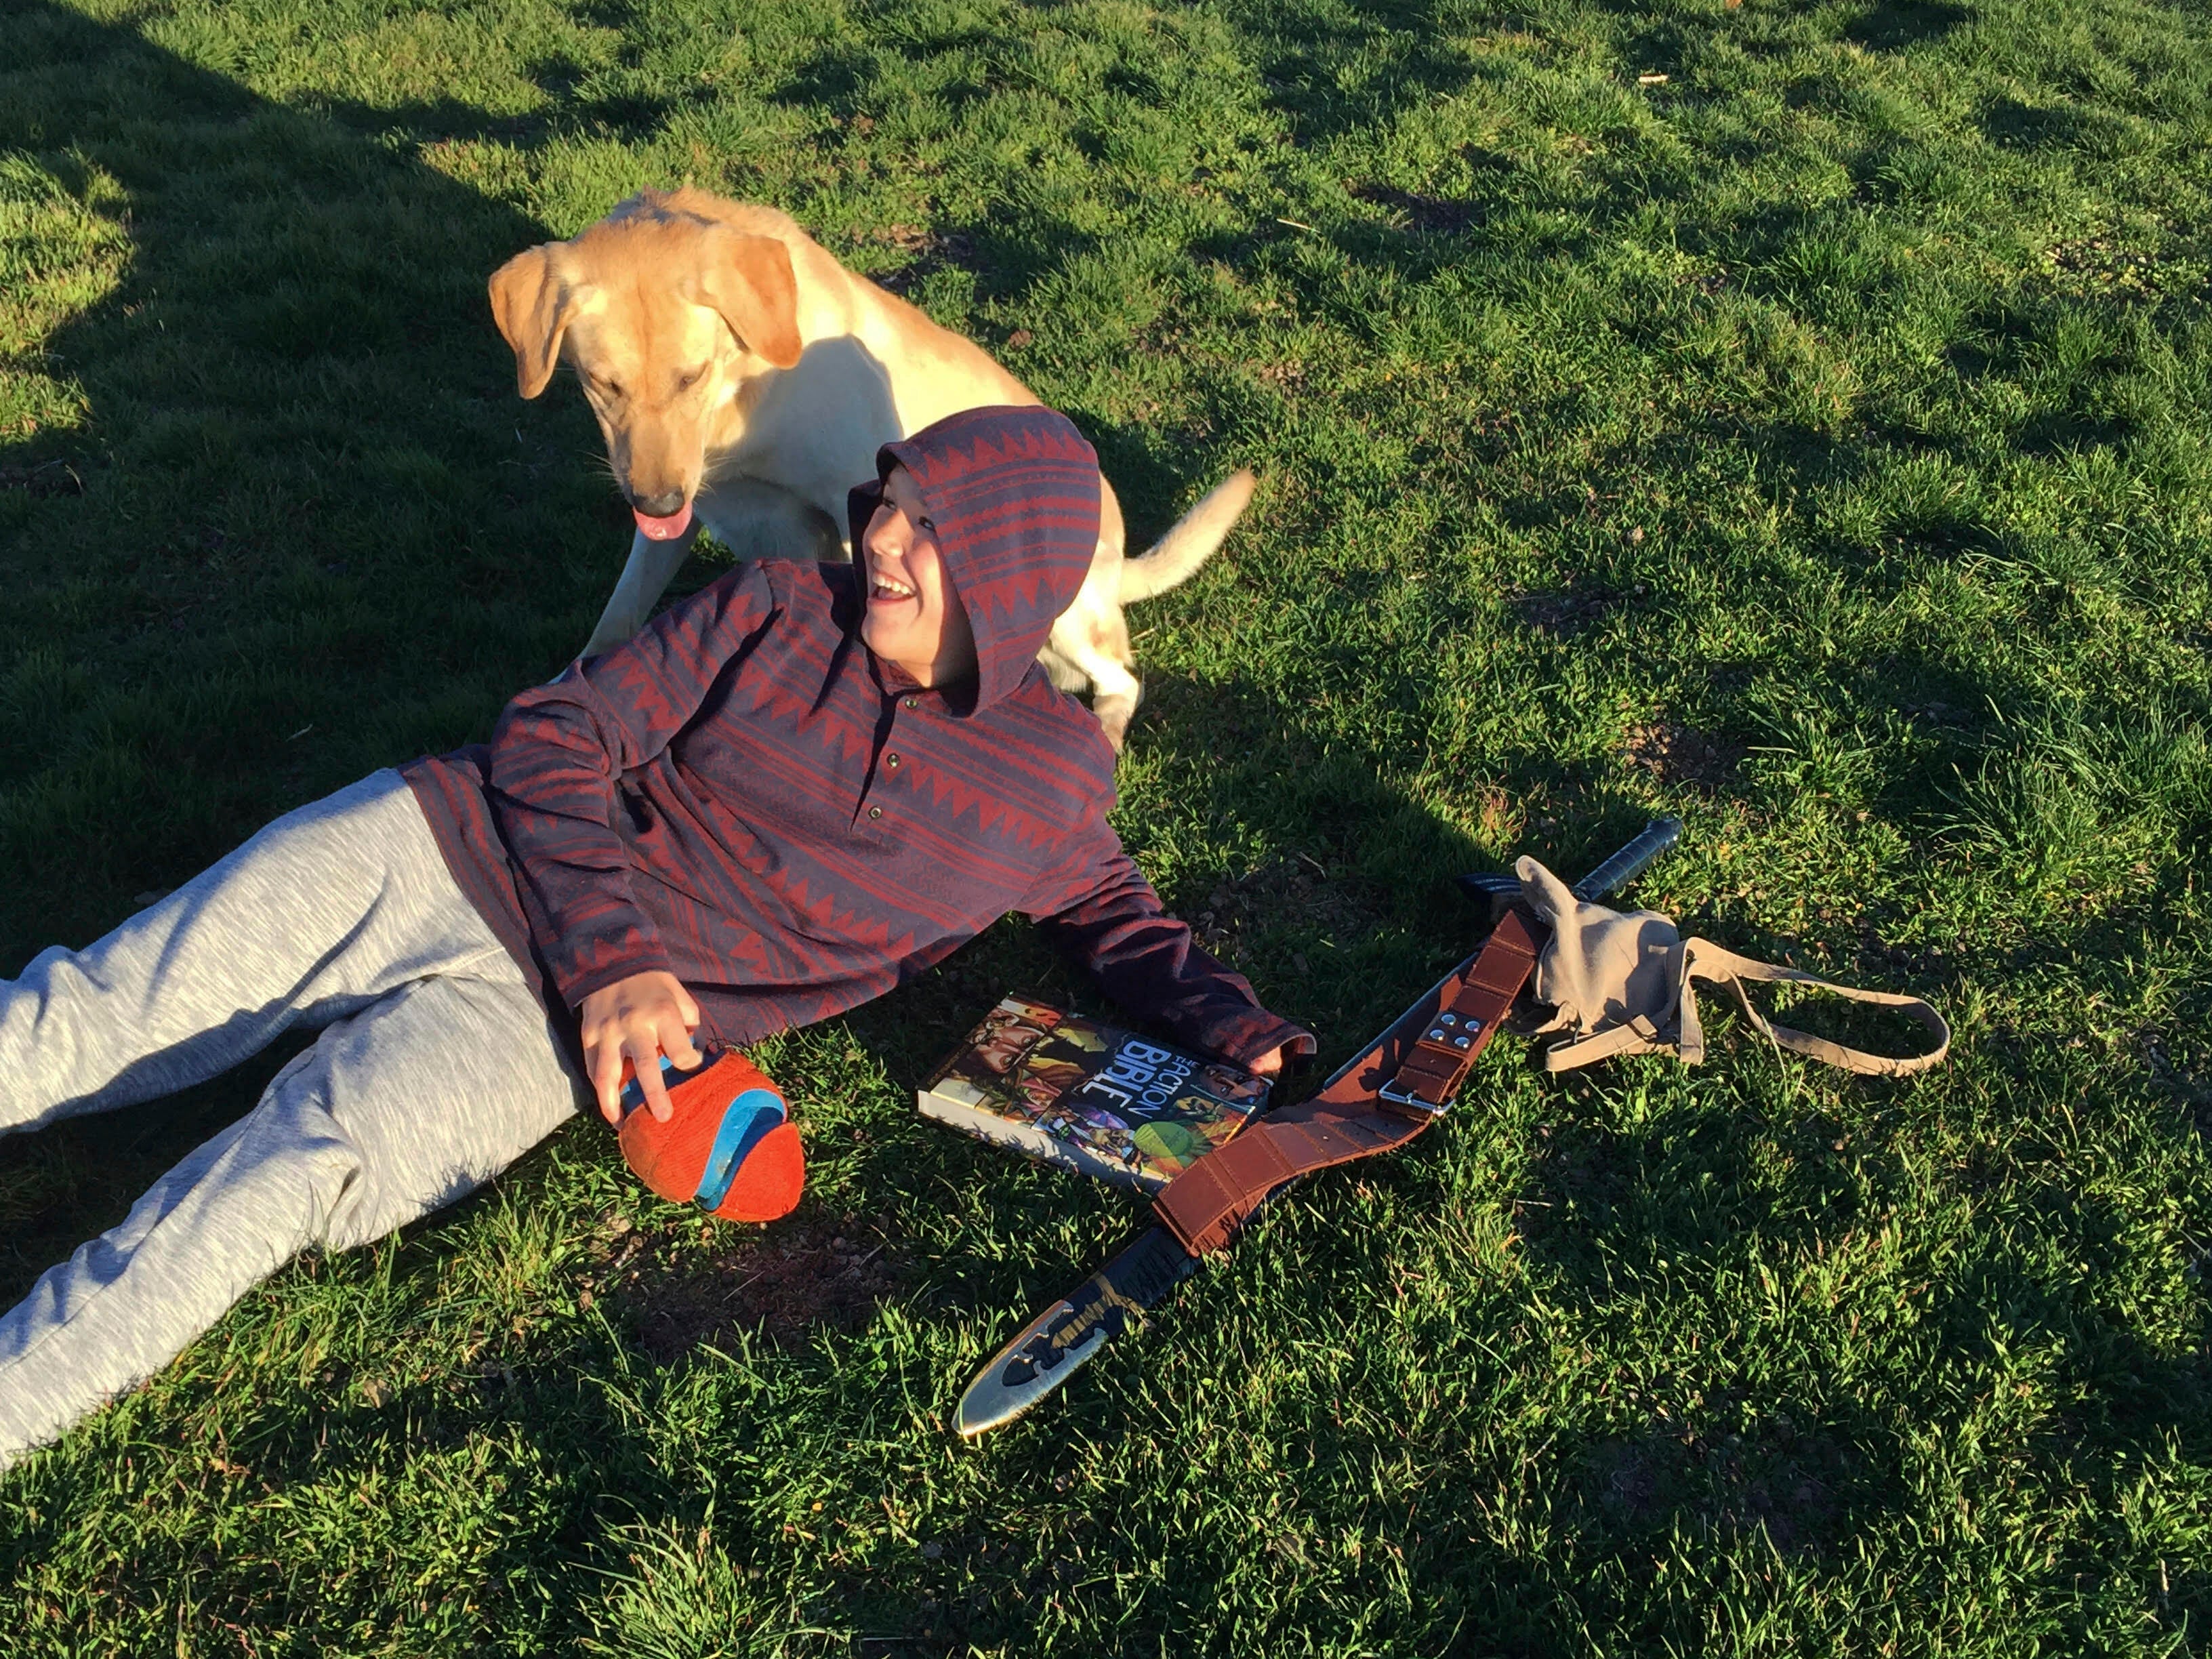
663,530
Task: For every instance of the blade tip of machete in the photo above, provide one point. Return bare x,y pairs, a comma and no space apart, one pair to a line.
970,1426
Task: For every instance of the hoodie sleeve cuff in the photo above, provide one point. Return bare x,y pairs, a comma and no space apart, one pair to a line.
601,975
1249,1034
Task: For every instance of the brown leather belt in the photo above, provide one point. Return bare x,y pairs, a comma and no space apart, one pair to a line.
1376,1103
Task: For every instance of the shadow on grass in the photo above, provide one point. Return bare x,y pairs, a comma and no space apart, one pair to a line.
1636,1216
1334,69
306,536
301,536
1902,24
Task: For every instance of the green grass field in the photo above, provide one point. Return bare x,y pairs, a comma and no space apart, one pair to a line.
1791,414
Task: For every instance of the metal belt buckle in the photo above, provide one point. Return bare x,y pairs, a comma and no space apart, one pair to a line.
1397,1096
1446,1029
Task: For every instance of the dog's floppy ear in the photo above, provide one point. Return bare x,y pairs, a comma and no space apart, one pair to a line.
531,307
749,280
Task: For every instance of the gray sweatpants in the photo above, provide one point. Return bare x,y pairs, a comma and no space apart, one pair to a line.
435,1068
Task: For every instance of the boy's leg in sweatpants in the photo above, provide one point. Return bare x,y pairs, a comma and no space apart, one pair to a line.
321,913
441,1070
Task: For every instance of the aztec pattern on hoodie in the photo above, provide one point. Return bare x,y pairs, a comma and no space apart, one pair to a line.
744,796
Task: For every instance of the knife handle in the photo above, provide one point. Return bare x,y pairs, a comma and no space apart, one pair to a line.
1629,862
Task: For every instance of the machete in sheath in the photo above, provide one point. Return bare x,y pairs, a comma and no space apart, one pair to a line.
1377,1101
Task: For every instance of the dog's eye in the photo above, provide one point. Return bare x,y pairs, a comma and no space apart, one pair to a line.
685,382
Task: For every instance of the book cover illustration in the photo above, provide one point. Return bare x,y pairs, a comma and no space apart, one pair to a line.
1077,1093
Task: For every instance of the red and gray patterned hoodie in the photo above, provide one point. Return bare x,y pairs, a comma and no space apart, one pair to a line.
747,797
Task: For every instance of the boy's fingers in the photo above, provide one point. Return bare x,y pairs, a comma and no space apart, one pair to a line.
630,1043
604,1062
649,1080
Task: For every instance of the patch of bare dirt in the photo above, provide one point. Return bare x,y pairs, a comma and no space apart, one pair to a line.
2183,1075
1935,712
785,1280
1429,214
2103,264
43,478
1914,963
930,249
1681,754
1564,612
1773,1476
1299,891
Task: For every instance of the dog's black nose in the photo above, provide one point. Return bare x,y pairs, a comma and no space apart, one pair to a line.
661,506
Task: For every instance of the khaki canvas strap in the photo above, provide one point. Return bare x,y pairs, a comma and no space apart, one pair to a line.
1702,959
1378,1102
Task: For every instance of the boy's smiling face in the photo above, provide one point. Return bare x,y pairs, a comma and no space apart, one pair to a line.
915,618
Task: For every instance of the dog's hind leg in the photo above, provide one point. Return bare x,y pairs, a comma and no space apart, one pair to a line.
653,565
1114,693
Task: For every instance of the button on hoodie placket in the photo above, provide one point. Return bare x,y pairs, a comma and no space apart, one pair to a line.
889,766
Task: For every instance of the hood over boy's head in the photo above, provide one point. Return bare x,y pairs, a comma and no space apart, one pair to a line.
1013,493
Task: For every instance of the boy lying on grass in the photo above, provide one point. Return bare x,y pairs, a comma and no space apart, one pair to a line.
797,788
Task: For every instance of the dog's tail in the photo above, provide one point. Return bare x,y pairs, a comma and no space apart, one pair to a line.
1177,556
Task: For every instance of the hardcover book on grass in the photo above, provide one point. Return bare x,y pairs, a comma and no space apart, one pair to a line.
1066,1090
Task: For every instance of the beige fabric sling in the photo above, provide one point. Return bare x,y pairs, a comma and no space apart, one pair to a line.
1626,984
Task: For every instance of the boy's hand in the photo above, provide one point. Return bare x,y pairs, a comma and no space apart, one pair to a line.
638,1020
1269,1064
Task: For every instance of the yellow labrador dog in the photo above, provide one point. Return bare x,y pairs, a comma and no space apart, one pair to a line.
743,377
